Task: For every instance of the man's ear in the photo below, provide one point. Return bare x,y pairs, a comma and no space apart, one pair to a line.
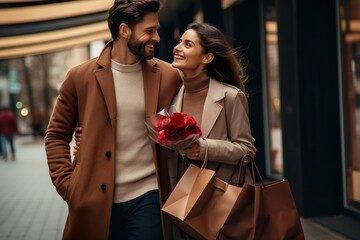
124,31
208,58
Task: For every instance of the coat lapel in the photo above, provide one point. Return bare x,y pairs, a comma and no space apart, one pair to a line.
151,76
105,79
177,102
212,108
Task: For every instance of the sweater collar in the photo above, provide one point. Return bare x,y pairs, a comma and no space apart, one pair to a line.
196,83
126,68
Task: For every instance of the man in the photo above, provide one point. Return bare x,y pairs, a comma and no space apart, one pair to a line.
8,127
117,182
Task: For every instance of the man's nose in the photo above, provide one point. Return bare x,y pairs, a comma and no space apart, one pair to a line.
156,37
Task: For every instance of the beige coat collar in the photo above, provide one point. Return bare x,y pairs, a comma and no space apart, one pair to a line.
212,108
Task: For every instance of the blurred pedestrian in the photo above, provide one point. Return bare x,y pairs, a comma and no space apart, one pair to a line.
118,180
8,128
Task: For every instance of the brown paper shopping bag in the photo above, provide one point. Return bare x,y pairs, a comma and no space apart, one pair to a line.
190,194
201,203
265,211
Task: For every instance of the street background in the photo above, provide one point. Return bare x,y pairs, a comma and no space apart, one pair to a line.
30,207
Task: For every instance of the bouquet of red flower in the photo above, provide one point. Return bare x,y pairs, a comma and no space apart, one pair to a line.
174,130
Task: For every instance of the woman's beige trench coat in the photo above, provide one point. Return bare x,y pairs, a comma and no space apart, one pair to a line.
87,97
226,127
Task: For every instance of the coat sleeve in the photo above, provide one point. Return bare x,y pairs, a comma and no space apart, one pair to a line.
239,140
59,134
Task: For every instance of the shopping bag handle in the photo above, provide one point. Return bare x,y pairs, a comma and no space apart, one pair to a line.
254,168
222,185
206,157
248,162
242,165
218,183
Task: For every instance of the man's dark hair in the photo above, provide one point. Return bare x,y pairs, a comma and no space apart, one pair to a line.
130,12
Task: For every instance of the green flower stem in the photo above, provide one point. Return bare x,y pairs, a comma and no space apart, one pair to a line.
186,161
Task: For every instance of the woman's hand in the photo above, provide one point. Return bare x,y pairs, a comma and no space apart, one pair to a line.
75,149
193,151
77,140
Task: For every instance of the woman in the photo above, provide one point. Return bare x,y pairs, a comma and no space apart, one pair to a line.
213,93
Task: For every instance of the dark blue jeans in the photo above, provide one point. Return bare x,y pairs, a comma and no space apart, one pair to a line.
137,219
4,139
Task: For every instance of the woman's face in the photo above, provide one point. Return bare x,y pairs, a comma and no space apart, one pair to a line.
189,55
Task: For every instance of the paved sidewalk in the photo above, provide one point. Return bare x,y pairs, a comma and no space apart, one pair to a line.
31,209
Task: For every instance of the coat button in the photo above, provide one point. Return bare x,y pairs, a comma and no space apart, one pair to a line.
108,154
109,120
103,187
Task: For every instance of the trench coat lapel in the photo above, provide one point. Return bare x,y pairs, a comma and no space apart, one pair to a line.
105,79
151,78
177,102
212,108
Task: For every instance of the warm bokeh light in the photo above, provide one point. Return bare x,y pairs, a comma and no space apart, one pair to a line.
276,102
24,112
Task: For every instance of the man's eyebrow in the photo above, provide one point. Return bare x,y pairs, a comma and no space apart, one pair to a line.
152,28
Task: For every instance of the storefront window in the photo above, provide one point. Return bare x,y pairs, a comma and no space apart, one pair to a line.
350,32
274,160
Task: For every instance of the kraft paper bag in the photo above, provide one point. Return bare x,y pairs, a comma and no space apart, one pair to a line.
264,211
201,203
191,193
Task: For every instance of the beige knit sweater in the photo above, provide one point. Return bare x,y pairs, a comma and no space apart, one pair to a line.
135,170
196,88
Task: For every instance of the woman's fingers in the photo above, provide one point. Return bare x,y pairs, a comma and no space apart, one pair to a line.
75,149
77,135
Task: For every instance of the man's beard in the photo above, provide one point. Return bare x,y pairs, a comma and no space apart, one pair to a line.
138,49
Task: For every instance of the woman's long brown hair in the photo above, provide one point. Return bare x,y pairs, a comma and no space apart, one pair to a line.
225,67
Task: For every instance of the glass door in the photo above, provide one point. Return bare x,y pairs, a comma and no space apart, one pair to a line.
274,160
350,37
